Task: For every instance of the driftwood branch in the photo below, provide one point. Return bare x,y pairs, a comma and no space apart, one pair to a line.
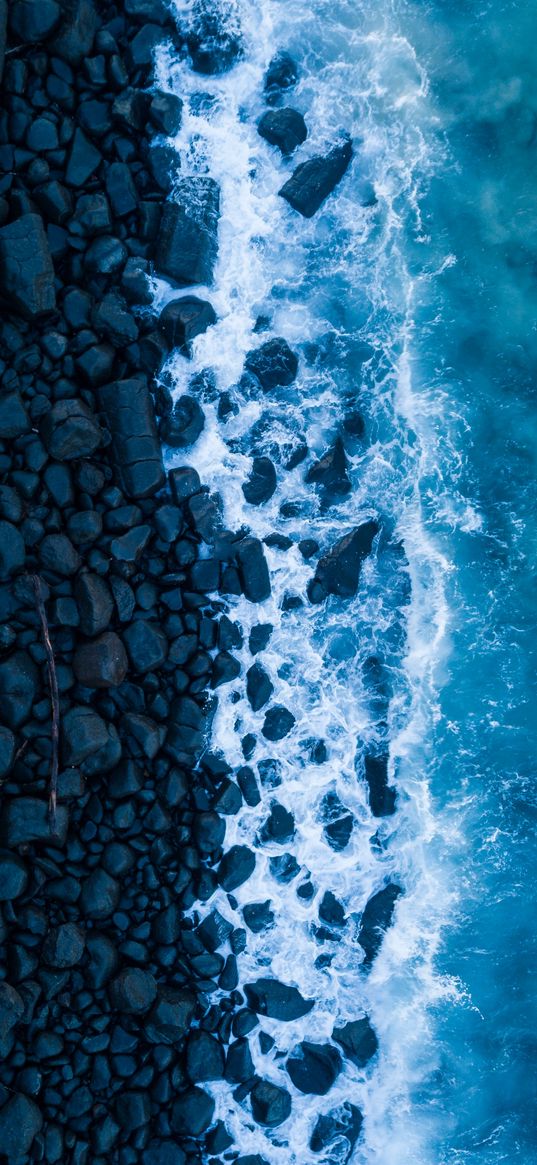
54,697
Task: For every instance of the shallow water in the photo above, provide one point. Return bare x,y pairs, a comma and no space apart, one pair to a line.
415,306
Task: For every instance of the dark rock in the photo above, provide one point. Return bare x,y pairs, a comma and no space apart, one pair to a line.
259,637
214,38
279,826
262,482
20,1121
382,797
284,128
133,992
166,111
103,959
96,364
273,364
130,416
101,664
278,723
19,684
239,1063
331,910
170,1018
214,931
253,570
271,1106
277,1000
64,945
192,1113
187,244
259,687
133,1110
205,513
70,430
209,832
314,180
251,1159
146,644
376,919
42,135
57,554
13,877
162,1153
105,256
184,483
330,472
84,159
113,319
236,867
100,895
27,819
188,726
284,868
358,1041
11,1009
184,424
12,550
74,40
95,603
30,22
337,1130
205,1058
258,916
142,47
26,269
314,1068
13,416
338,571
184,319
281,76
134,281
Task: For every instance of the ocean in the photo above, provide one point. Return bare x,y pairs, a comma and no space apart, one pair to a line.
410,299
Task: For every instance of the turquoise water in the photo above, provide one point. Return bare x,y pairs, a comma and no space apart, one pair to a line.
411,296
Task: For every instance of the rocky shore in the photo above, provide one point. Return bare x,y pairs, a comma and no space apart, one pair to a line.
113,583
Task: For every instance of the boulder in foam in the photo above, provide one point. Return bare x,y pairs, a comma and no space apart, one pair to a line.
312,181
187,244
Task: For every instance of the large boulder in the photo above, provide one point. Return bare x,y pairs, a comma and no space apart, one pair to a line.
26,269
236,866
253,570
20,1121
184,319
314,180
330,472
376,919
130,416
187,245
70,430
205,1058
192,1113
31,21
358,1040
284,128
314,1068
27,820
102,663
277,1000
261,483
214,36
271,1105
338,571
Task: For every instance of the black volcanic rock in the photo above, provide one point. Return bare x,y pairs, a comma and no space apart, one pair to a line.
70,430
130,416
273,364
261,483
259,687
284,128
187,245
26,270
271,1105
338,1129
205,1059
314,1068
314,180
338,571
382,797
376,919
30,22
192,1113
358,1041
20,1121
182,427
278,723
237,865
277,1000
253,570
184,319
102,663
330,472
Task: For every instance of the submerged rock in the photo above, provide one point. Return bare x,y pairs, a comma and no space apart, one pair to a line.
271,1105
314,1068
338,571
184,424
214,38
330,472
284,128
314,180
262,482
187,245
382,797
376,919
281,76
278,723
277,1000
273,364
338,1131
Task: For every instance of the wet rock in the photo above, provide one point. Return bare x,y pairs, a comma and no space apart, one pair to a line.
27,819
100,895
258,916
84,159
214,931
84,733
130,416
331,910
11,1010
337,1130
13,876
12,550
133,1110
330,472
279,826
74,40
13,416
184,319
262,482
338,571
314,1068
19,684
273,363
284,128
166,112
121,189
94,602
57,554
214,38
101,664
113,320
382,797
236,867
239,1063
284,868
376,919
277,1000
259,687
259,637
358,1041
26,269
70,430
170,1018
253,570
20,1121
339,822
209,832
64,945
192,1113
146,645
133,992
30,22
182,427
278,723
271,1105
281,76
161,1152
103,959
314,180
205,1058
187,245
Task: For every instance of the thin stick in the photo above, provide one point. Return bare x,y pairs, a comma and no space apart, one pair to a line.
54,698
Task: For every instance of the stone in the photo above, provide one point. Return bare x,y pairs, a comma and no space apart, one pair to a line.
277,1000
182,427
259,687
133,992
284,128
259,637
31,22
171,1016
278,723
338,571
70,430
95,364
314,1068
74,40
192,1112
12,551
312,182
146,645
100,895
133,1110
94,602
13,416
258,916
11,1009
42,135
205,1058
27,819
331,910
161,1152
26,269
208,831
19,684
279,826
103,959
184,319
205,514
84,159
214,38
121,189
330,472
114,320
281,76
262,482
64,945
357,1040
130,417
376,919
20,1122
273,364
57,554
239,1063
382,797
271,1106
214,931
14,876
337,1130
187,244
253,570
166,112
236,866
101,664
105,256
